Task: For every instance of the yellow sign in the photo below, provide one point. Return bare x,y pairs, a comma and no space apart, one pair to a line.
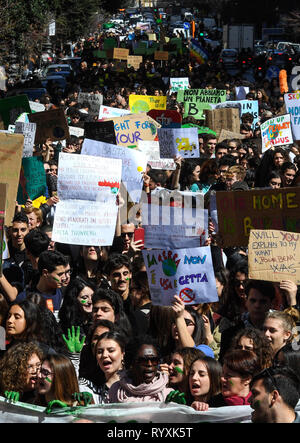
144,103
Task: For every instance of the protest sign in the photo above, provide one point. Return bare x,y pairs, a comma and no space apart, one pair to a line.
241,92
133,163
87,187
180,83
292,104
93,100
134,61
3,199
188,273
227,135
274,255
120,53
109,112
225,118
241,211
50,124
11,108
168,118
32,179
130,129
77,131
143,103
36,106
276,132
28,130
11,150
244,107
101,131
161,55
196,100
151,151
178,141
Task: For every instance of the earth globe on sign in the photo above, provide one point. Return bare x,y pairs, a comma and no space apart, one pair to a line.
140,106
169,267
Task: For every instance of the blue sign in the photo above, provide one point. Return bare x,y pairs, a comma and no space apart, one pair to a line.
272,72
186,25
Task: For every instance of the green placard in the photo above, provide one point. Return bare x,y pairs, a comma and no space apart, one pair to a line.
12,107
32,179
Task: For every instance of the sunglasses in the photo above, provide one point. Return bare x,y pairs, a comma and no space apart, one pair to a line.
130,234
144,360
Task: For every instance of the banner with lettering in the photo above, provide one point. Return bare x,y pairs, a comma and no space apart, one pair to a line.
196,100
144,103
292,104
274,255
188,273
241,211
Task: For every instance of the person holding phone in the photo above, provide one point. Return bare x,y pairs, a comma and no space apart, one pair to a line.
131,243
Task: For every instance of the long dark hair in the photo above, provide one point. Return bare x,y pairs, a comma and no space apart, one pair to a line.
32,316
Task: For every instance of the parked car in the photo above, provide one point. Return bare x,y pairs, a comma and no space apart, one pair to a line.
229,57
64,70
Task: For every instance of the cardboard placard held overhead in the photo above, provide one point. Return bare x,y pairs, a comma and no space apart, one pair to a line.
11,150
161,55
100,131
144,103
120,53
226,118
274,255
228,135
134,61
32,179
241,211
50,124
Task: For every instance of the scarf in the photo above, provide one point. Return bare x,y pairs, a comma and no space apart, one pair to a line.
236,400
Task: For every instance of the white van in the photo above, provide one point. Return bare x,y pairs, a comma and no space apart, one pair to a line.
282,46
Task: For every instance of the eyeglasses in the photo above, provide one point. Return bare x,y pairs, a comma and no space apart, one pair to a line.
45,373
34,368
130,234
144,360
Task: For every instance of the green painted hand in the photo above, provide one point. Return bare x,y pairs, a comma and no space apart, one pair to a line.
55,403
12,395
86,397
176,397
73,341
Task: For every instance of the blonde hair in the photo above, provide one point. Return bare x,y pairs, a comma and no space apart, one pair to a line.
287,320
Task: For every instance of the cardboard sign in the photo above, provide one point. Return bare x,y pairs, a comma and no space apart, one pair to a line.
225,118
276,132
161,55
94,101
227,135
244,107
11,150
151,151
241,211
109,112
133,163
189,273
134,61
50,124
77,131
196,100
274,255
36,106
101,131
292,104
87,187
178,84
144,103
182,141
166,118
11,108
28,130
133,128
32,179
120,53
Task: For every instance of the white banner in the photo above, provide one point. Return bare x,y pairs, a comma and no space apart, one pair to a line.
178,141
276,132
28,130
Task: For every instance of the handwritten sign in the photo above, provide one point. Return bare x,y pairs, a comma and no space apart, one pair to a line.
134,61
276,132
32,179
133,128
180,83
11,108
161,55
196,100
50,124
133,163
187,272
292,104
143,103
120,53
109,112
241,211
274,255
151,152
178,141
11,150
166,118
28,130
87,187
94,101
101,131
